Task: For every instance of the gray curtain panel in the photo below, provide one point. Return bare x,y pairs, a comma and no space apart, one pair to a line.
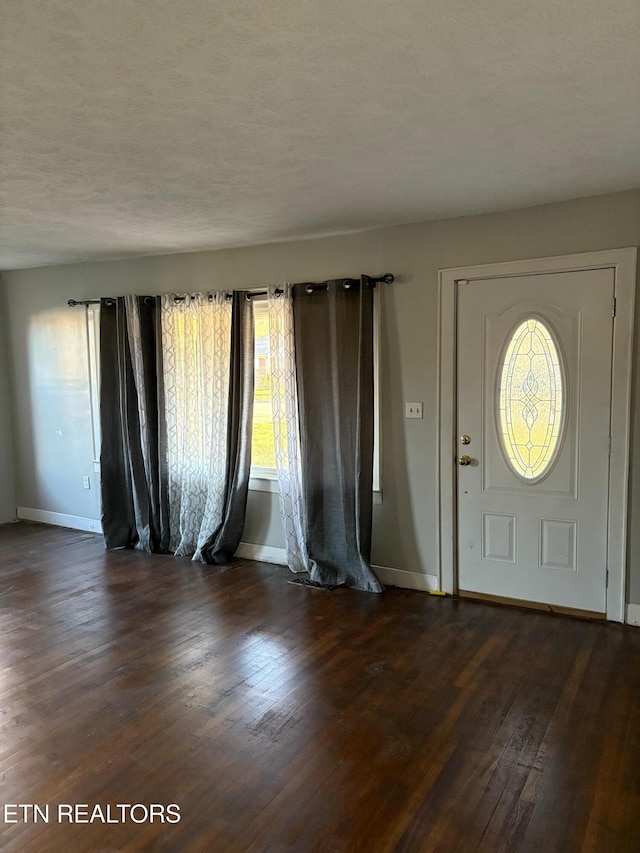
135,493
333,331
133,473
223,543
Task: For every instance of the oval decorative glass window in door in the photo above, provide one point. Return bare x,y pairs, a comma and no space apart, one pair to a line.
531,404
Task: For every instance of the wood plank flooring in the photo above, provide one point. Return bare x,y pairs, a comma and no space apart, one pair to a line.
285,719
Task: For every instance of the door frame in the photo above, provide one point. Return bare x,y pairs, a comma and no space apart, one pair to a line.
623,263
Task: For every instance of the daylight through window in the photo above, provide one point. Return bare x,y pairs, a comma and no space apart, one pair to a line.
531,400
263,457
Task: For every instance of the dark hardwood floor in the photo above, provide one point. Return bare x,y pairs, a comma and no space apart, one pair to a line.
281,718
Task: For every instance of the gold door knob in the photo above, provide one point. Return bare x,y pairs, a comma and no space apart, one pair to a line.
465,460
465,439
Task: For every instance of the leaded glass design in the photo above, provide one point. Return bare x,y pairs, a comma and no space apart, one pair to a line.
531,399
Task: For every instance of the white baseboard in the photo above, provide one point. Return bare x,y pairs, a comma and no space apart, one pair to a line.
389,577
633,615
59,519
269,554
405,579
265,553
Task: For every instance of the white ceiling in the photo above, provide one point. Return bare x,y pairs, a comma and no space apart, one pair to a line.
133,127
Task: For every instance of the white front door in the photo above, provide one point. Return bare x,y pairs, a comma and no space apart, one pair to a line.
534,404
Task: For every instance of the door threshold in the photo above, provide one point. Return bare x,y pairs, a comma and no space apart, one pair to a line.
533,605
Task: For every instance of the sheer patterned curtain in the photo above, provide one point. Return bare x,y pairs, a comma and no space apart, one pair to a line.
284,402
196,346
222,543
176,402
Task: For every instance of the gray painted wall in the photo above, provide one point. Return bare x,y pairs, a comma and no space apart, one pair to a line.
7,492
52,435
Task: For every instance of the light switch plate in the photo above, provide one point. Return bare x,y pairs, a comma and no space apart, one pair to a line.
413,410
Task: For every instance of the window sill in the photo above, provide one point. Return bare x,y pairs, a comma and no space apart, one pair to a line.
263,482
267,482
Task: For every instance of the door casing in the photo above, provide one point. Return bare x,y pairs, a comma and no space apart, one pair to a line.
623,263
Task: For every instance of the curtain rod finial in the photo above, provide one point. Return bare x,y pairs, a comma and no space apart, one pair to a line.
387,278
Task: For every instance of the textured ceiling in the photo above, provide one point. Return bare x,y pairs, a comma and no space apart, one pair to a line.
134,127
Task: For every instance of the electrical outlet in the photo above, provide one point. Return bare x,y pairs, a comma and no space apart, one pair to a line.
413,410
86,482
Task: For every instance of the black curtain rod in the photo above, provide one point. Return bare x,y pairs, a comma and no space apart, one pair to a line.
387,278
